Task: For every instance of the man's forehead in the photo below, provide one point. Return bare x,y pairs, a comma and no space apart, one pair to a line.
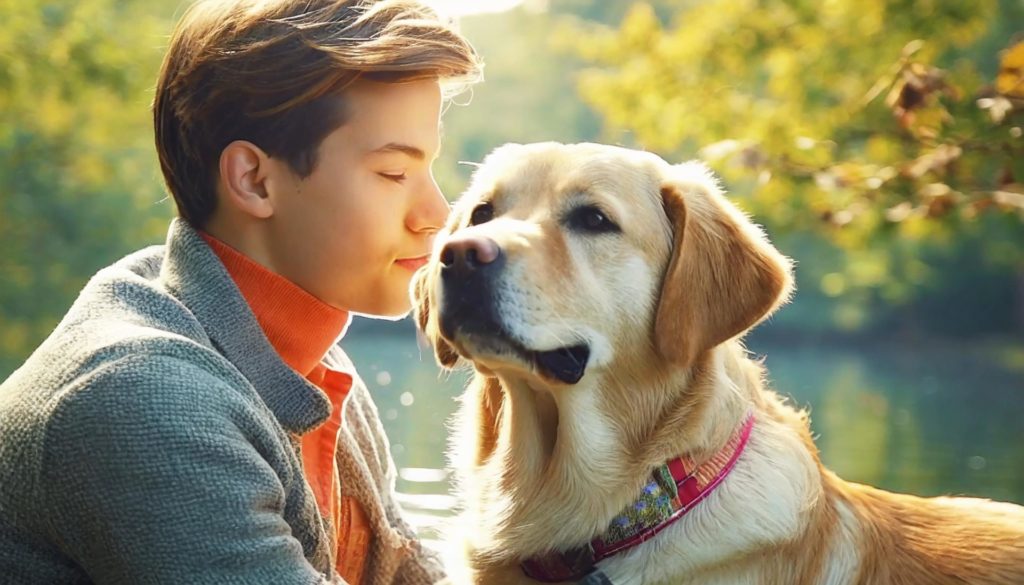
409,150
381,140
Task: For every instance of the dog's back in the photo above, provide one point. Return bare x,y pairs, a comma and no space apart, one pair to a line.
908,539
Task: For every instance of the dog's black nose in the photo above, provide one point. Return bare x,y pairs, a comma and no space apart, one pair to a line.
466,254
470,264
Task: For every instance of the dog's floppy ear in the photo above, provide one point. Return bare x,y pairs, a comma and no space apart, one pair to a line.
723,276
446,355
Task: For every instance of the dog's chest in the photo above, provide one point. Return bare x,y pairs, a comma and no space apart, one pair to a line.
761,504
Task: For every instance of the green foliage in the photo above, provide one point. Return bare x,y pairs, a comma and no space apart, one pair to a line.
528,95
77,169
778,94
873,124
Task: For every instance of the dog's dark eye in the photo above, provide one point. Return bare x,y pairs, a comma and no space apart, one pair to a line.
482,213
591,219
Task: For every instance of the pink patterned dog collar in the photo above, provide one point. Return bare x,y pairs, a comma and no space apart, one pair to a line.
675,488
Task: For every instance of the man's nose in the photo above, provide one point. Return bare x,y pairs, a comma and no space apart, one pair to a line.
430,212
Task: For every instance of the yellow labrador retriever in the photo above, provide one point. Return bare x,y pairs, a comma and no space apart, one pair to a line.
616,430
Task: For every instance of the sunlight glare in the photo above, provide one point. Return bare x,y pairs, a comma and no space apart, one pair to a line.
459,8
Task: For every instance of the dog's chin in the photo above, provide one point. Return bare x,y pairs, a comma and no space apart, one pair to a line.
491,353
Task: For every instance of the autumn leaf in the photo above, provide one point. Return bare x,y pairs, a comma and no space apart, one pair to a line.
1010,80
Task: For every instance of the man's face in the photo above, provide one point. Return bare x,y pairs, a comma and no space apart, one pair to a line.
354,231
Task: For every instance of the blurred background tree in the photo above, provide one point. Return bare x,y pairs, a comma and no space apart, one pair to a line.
879,141
79,184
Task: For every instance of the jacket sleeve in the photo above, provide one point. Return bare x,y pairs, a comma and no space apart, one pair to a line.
157,471
423,565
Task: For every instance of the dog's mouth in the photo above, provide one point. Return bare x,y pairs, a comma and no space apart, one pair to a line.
565,364
469,322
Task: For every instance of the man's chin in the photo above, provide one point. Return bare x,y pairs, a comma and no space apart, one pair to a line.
394,312
388,316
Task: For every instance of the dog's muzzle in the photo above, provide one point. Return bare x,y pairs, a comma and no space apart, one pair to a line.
469,265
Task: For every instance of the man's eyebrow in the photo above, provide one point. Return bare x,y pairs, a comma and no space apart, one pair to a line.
406,149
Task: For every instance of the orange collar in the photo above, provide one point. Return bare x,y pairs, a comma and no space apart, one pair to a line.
300,326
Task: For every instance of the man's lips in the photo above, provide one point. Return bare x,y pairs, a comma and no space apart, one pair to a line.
413,263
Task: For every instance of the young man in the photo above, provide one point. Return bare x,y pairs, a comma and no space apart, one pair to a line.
191,419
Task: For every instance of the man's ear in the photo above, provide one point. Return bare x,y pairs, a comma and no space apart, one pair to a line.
446,355
723,276
243,170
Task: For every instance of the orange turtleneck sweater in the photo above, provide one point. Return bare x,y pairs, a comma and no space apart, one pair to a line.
302,328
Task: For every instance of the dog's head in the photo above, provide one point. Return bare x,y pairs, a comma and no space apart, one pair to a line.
560,260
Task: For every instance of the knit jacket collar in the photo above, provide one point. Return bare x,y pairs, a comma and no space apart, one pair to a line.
194,274
301,327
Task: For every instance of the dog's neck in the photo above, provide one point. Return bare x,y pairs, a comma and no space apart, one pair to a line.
571,446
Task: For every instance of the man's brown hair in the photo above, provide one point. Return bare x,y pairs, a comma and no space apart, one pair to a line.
273,72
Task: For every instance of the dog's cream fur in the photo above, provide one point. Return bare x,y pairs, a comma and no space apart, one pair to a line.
543,465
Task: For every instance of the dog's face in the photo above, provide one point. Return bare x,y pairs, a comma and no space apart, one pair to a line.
560,260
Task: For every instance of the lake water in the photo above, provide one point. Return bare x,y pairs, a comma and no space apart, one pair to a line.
925,420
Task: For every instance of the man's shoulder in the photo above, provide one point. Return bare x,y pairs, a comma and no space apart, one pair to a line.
124,308
148,380
130,366
126,329
135,382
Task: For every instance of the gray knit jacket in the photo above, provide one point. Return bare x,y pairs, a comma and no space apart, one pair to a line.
153,438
